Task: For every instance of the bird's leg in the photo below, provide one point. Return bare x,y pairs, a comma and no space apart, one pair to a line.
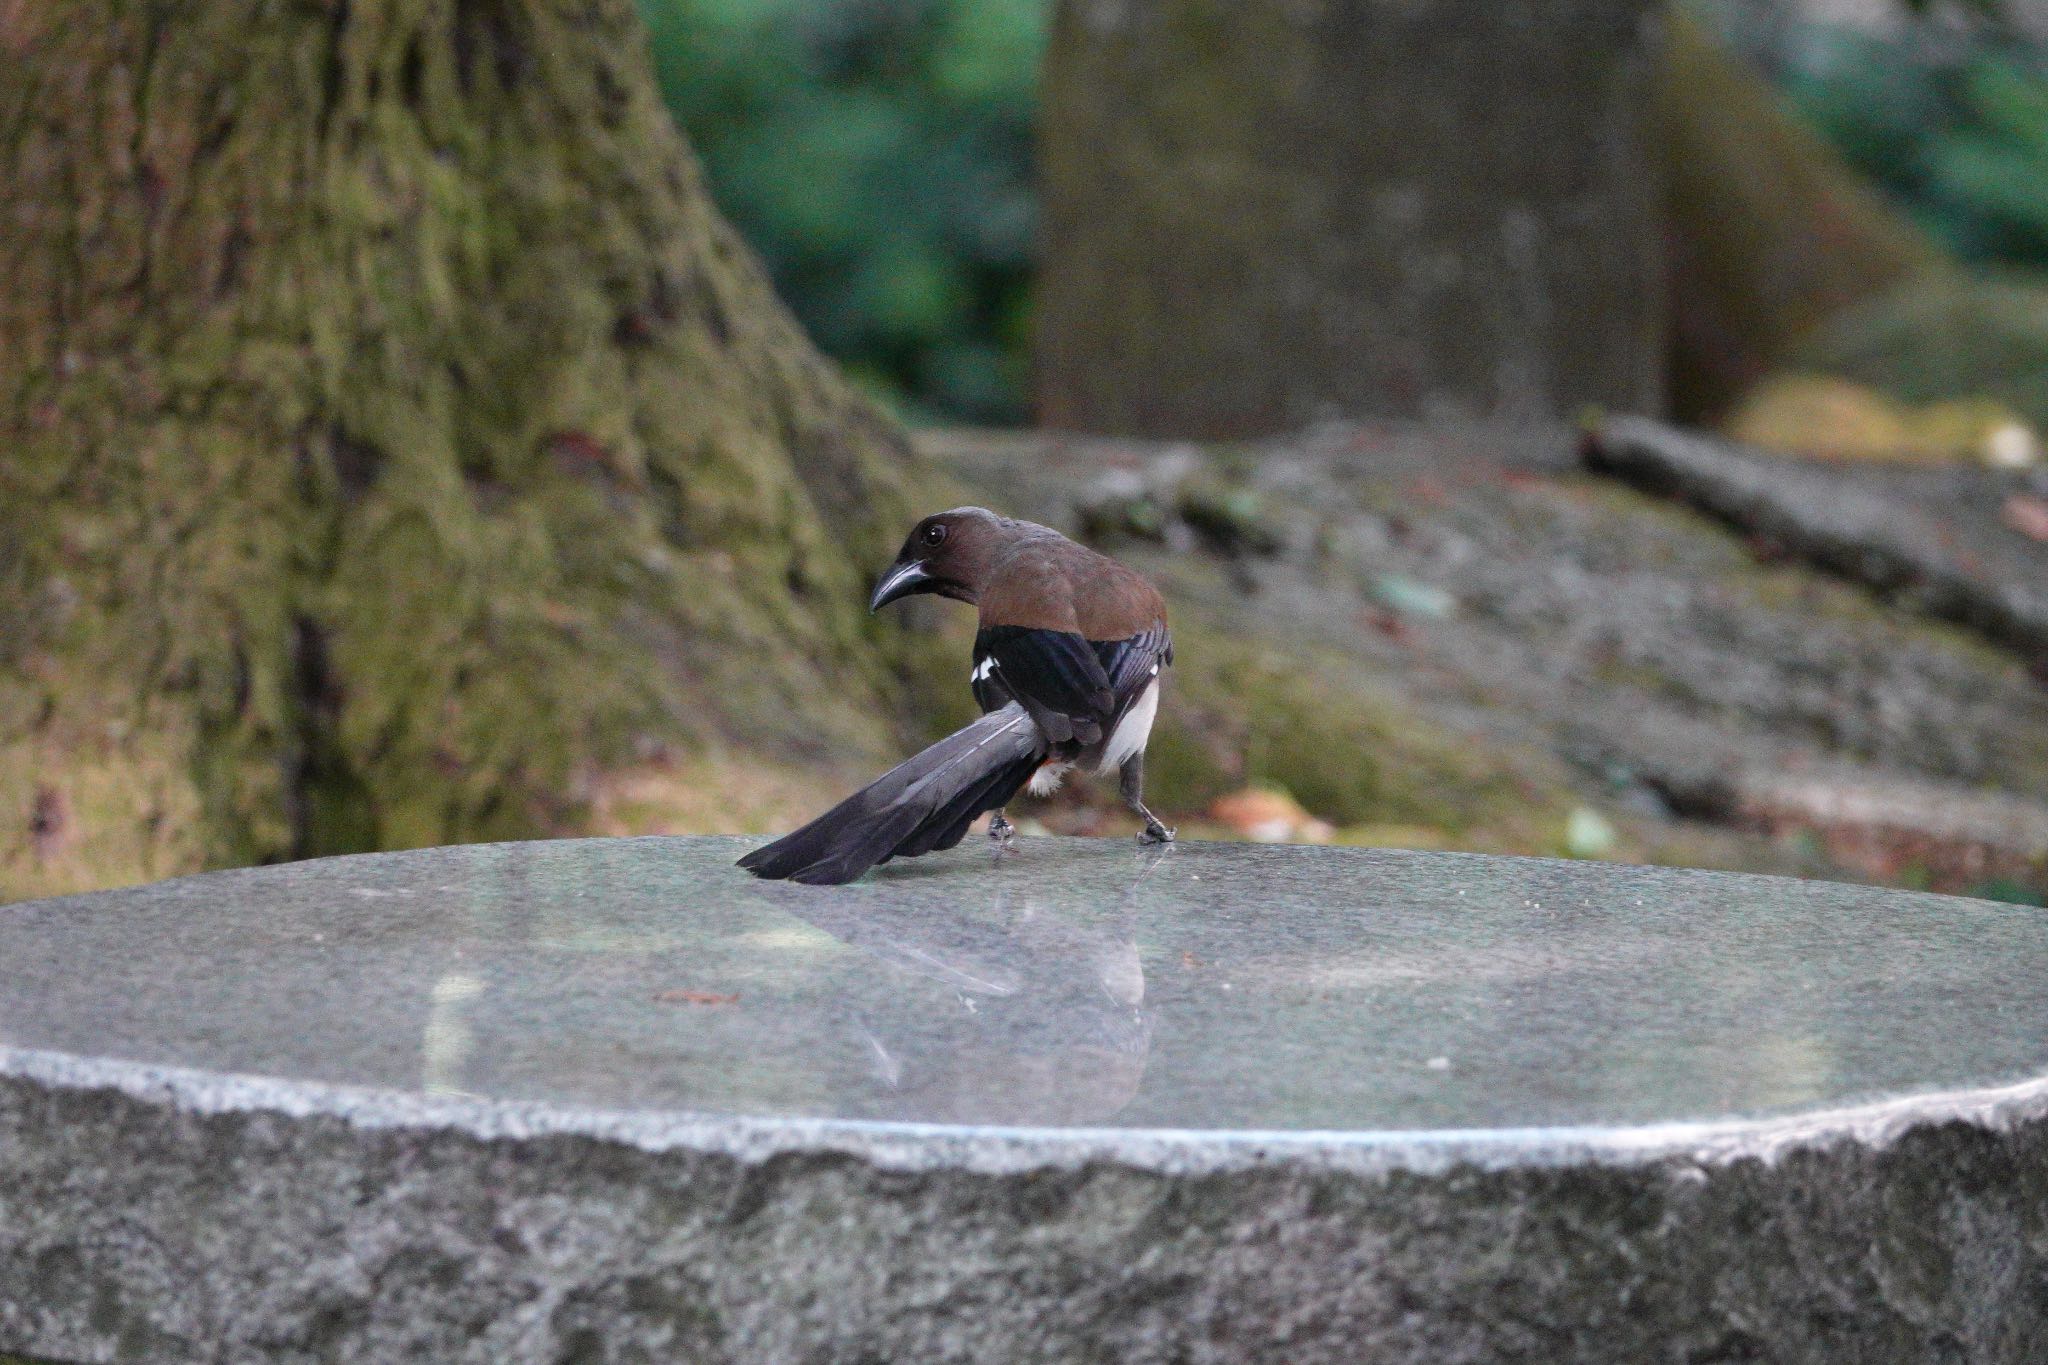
1133,788
1000,829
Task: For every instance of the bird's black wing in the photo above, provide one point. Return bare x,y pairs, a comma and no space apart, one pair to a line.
1056,674
1132,664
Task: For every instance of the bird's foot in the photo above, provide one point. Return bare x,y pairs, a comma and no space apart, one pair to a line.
1156,833
1001,830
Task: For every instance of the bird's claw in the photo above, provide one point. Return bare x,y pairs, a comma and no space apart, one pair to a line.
1001,830
1156,833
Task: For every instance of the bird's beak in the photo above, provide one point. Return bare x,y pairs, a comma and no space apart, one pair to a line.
901,581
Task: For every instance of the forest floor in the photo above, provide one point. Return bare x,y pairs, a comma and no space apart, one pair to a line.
1686,652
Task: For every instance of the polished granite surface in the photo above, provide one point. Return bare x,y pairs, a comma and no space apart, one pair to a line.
1068,983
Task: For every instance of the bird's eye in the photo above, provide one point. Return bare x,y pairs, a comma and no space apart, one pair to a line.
935,533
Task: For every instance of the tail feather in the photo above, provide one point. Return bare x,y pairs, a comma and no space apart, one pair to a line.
925,802
949,826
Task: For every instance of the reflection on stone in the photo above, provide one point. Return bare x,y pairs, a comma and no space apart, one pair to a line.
447,1040
1010,1013
1280,988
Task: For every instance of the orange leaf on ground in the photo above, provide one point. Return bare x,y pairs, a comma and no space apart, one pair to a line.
1269,816
2027,515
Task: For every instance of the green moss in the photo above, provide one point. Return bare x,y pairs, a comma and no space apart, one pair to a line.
415,443
1945,338
935,660
1351,753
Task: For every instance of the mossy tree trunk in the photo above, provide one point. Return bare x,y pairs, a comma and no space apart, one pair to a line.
1260,214
393,439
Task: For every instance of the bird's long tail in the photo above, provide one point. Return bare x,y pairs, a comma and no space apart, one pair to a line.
923,803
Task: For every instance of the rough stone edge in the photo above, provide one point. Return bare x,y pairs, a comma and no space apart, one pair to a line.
997,1151
1853,533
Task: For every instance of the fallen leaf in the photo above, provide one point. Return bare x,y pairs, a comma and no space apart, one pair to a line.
560,614
1387,623
1268,815
2027,515
694,998
1430,491
577,452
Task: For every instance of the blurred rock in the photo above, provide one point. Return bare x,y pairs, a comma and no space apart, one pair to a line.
1260,214
1611,651
1229,518
1886,829
1407,596
1589,834
1945,567
1174,499
1832,418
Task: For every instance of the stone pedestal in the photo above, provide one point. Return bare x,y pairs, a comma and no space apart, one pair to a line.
1264,213
614,1100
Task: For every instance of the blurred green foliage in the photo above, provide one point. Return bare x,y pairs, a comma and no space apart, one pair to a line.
877,153
1954,124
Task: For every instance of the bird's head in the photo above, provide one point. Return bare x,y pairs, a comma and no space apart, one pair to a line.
948,553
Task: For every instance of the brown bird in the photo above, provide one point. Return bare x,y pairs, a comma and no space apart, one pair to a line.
1066,669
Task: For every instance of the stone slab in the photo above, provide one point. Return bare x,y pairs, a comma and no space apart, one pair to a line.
613,1100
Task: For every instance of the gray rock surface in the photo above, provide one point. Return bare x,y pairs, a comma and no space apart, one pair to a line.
1678,663
1873,527
610,1100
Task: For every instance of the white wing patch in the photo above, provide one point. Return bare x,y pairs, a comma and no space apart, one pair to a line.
986,667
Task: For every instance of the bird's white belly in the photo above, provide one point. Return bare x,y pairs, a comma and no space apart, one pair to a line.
1132,731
